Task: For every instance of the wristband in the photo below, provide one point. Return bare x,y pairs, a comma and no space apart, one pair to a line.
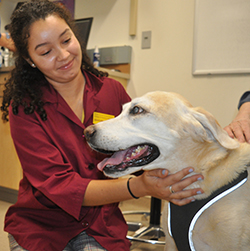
130,190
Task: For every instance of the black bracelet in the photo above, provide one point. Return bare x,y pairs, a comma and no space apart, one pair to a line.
130,190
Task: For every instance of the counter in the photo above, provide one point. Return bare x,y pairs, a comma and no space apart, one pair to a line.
119,76
6,69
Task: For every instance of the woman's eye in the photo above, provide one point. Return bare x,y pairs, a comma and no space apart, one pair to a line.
66,41
46,53
136,110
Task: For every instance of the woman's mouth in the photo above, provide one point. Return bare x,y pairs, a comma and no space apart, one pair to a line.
66,66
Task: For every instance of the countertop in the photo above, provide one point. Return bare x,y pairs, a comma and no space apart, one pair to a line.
6,69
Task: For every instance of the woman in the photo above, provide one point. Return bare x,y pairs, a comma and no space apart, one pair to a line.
64,202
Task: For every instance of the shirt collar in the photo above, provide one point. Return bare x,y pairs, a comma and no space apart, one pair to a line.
93,84
91,98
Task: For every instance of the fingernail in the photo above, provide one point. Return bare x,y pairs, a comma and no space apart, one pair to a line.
199,192
192,200
191,170
163,172
200,178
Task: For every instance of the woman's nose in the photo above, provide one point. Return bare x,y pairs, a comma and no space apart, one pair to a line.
62,54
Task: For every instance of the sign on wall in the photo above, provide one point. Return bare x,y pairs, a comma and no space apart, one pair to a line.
221,37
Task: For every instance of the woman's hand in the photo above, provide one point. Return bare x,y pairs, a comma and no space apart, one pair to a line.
240,127
7,42
159,184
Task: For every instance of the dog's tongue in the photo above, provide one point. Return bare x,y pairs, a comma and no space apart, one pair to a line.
123,156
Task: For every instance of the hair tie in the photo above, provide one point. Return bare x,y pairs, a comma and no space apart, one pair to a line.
130,190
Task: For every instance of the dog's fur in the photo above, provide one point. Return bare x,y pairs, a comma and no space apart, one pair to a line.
186,136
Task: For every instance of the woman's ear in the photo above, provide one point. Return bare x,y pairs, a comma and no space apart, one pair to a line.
30,62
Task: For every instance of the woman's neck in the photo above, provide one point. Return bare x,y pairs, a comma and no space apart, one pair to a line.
72,93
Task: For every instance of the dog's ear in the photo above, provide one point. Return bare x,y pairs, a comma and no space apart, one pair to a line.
210,130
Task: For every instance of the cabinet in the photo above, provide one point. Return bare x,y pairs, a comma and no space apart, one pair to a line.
10,168
3,77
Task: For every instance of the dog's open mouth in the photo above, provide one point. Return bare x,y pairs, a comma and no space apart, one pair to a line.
134,156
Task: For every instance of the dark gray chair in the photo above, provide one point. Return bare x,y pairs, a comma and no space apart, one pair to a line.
151,234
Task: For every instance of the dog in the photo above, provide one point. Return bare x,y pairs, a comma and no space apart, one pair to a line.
163,130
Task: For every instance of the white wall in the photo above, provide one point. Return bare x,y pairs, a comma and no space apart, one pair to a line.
6,8
168,64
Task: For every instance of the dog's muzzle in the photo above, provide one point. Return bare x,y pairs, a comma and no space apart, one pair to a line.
135,156
119,161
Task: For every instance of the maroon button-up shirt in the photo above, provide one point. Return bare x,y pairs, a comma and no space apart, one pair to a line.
55,159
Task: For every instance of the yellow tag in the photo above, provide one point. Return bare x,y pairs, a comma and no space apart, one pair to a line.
99,117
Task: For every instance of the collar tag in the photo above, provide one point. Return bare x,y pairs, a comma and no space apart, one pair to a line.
99,117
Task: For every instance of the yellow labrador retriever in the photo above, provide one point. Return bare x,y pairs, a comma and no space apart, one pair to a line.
162,129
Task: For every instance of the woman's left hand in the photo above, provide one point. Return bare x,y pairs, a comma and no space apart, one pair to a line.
171,187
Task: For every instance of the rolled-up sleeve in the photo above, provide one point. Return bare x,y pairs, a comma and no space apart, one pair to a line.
244,98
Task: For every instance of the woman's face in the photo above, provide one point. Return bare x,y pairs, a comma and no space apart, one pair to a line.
54,50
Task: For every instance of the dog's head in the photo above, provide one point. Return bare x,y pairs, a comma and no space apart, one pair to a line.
149,134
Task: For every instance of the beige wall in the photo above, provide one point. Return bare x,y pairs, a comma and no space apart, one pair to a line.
168,64
6,8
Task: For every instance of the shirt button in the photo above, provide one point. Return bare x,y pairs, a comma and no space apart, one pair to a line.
85,224
91,166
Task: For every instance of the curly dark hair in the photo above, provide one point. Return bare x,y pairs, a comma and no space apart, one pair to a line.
24,86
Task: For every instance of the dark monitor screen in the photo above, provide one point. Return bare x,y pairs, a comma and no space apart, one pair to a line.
83,27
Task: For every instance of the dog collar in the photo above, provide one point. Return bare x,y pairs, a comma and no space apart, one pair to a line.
182,219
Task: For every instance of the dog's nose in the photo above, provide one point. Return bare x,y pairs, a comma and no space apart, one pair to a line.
89,132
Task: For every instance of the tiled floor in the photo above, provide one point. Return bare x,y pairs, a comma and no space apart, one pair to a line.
143,204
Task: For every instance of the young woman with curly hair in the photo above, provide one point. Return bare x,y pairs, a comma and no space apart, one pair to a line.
64,202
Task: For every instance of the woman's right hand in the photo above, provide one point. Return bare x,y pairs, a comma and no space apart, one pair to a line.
157,183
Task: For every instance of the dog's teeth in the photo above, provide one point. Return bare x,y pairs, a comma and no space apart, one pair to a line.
139,148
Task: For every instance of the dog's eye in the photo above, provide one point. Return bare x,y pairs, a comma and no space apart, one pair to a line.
136,110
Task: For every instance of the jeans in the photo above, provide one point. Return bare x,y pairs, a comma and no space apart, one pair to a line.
82,242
